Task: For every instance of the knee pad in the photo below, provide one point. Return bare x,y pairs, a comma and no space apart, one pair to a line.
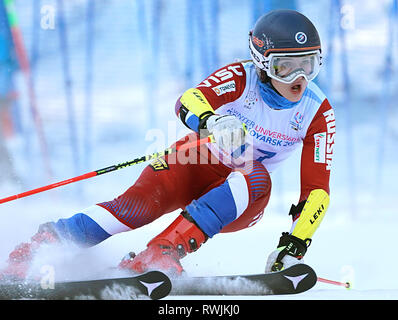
227,202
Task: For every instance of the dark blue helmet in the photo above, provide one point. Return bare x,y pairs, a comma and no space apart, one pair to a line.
284,31
287,33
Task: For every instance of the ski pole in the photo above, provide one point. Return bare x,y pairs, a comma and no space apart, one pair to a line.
337,283
91,174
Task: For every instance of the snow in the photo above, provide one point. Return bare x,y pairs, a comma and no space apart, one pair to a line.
342,250
355,241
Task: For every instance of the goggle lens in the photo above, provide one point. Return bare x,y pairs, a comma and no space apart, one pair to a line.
287,68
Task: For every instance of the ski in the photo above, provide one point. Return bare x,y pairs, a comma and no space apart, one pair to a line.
293,280
153,284
156,285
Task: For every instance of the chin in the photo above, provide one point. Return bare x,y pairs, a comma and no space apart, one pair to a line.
295,98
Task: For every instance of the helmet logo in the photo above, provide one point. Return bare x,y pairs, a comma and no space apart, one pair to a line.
301,37
258,42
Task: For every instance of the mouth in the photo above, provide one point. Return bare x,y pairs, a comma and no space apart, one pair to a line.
296,88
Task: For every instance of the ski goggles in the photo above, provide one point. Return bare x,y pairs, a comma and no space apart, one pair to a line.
287,67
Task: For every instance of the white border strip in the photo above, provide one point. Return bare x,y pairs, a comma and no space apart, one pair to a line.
237,184
105,220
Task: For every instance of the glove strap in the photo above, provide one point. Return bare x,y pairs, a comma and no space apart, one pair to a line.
203,119
295,211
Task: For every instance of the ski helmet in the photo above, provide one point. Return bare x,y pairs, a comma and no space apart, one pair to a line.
285,45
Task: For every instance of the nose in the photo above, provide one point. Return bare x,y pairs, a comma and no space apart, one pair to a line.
299,80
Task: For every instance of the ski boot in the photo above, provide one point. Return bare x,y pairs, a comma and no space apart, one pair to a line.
20,259
163,253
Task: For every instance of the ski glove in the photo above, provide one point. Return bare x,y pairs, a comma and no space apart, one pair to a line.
290,251
228,132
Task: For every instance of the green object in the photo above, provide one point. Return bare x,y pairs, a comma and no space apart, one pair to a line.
11,13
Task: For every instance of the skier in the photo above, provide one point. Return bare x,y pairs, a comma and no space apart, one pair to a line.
258,111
